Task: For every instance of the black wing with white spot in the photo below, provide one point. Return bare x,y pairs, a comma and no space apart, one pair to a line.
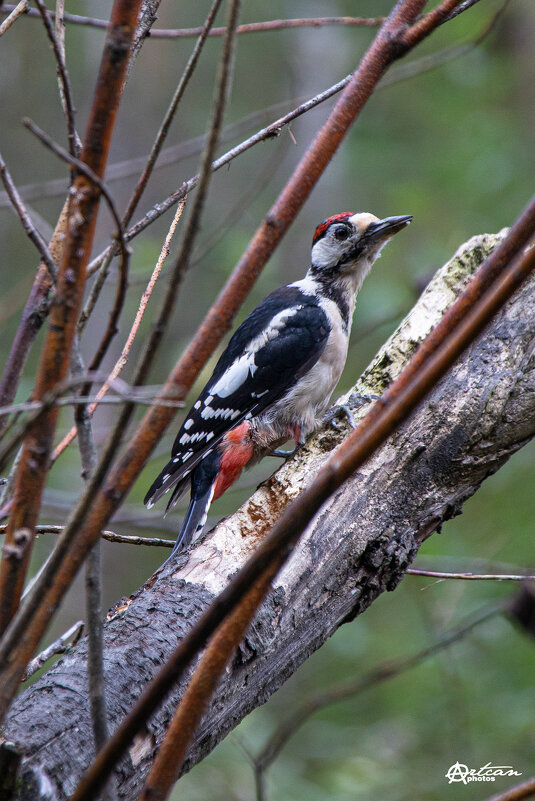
277,344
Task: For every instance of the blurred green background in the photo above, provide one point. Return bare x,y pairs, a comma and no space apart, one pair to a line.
454,147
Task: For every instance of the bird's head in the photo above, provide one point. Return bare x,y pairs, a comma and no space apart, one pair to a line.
349,243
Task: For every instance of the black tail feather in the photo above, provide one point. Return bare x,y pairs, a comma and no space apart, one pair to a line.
203,481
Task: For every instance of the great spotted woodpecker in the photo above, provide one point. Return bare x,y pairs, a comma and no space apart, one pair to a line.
277,374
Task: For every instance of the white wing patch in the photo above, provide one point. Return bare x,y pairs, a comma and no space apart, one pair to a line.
238,372
233,377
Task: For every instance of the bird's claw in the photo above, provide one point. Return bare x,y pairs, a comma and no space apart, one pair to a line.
356,400
335,412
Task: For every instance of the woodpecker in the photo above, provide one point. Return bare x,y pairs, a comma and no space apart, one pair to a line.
275,378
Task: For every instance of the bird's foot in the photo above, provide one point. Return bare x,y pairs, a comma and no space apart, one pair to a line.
284,454
356,401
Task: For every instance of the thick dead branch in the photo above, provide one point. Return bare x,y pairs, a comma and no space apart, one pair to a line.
358,546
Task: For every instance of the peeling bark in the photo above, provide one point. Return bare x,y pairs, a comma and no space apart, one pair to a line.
357,547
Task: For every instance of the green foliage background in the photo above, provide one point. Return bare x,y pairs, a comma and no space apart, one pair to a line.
452,146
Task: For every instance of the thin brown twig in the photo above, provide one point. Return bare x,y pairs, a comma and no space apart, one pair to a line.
252,27
270,131
175,153
463,6
143,396
67,640
125,395
88,173
27,224
120,294
109,536
123,358
98,285
428,22
63,78
53,398
170,113
471,576
182,260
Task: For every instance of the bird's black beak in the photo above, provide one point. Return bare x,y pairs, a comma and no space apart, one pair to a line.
377,231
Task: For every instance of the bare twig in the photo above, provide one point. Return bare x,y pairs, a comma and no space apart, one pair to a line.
25,219
126,395
63,78
16,12
149,166
175,153
144,396
270,131
147,395
252,27
93,570
463,6
59,646
123,358
181,264
470,576
400,73
120,296
170,113
428,22
110,536
86,171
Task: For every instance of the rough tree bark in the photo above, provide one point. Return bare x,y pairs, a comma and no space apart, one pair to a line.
357,547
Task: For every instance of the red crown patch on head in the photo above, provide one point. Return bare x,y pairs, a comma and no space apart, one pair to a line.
322,227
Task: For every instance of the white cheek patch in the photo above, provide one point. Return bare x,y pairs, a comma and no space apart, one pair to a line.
324,255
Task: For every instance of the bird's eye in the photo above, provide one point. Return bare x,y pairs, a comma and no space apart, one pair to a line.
341,232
